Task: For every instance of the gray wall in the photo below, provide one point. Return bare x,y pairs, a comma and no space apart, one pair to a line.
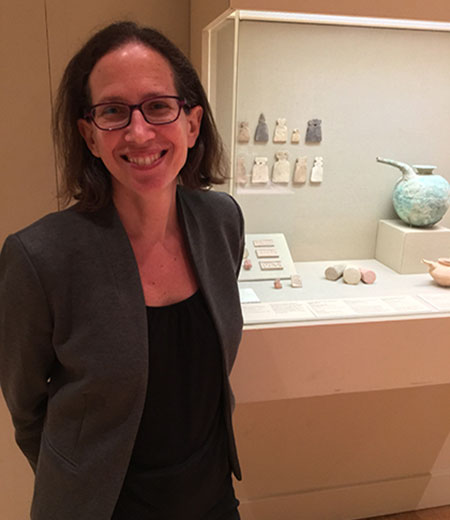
378,92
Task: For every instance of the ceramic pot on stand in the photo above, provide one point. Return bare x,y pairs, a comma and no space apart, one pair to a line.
420,198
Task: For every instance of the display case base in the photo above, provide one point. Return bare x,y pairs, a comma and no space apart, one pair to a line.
402,247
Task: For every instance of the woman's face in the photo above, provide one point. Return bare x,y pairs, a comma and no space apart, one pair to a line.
141,157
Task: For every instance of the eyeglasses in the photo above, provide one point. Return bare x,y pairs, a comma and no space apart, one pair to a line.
160,110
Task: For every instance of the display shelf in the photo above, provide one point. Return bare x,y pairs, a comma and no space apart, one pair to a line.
391,296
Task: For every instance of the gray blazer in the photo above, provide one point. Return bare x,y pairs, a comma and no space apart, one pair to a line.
74,346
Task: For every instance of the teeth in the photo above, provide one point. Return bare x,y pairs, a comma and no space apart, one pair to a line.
144,161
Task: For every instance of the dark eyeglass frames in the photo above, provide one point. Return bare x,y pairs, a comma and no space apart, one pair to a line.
160,110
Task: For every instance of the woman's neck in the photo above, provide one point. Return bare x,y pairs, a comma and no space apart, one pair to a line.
153,217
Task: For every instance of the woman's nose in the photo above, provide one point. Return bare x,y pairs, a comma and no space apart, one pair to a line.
139,130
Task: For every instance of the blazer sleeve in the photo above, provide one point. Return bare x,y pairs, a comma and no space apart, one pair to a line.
26,353
241,236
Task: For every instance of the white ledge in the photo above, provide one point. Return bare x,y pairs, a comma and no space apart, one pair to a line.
360,21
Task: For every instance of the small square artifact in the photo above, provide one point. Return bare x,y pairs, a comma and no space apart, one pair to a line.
271,266
263,243
296,281
267,252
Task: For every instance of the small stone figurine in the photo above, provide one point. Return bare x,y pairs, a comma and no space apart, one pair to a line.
244,132
314,131
241,171
260,171
295,137
317,170
262,130
280,133
277,284
281,168
300,170
248,264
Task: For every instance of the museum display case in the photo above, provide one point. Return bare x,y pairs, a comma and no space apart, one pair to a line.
340,387
306,104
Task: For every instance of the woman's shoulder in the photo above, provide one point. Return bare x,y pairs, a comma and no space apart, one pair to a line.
59,229
212,203
50,221
212,216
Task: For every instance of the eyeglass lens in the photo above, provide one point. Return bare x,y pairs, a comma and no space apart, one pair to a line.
160,110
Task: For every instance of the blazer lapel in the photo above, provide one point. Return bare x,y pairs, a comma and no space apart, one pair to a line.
215,273
115,248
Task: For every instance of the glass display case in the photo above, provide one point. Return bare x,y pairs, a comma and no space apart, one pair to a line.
305,104
337,384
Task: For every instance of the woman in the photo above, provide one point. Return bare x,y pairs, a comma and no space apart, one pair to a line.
120,316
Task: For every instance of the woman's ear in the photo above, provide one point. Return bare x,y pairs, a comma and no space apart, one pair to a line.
194,119
87,132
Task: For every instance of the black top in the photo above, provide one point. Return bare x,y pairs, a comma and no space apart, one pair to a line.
179,468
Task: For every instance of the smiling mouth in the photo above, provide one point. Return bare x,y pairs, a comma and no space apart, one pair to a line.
146,160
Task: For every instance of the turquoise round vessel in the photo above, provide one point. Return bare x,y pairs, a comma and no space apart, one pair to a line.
419,197
422,200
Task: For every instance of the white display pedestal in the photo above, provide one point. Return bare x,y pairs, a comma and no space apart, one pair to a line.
341,418
402,247
343,421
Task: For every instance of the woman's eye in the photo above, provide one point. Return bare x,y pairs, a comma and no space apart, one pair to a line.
160,105
112,111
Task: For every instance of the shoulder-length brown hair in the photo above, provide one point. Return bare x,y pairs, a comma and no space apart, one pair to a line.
84,177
